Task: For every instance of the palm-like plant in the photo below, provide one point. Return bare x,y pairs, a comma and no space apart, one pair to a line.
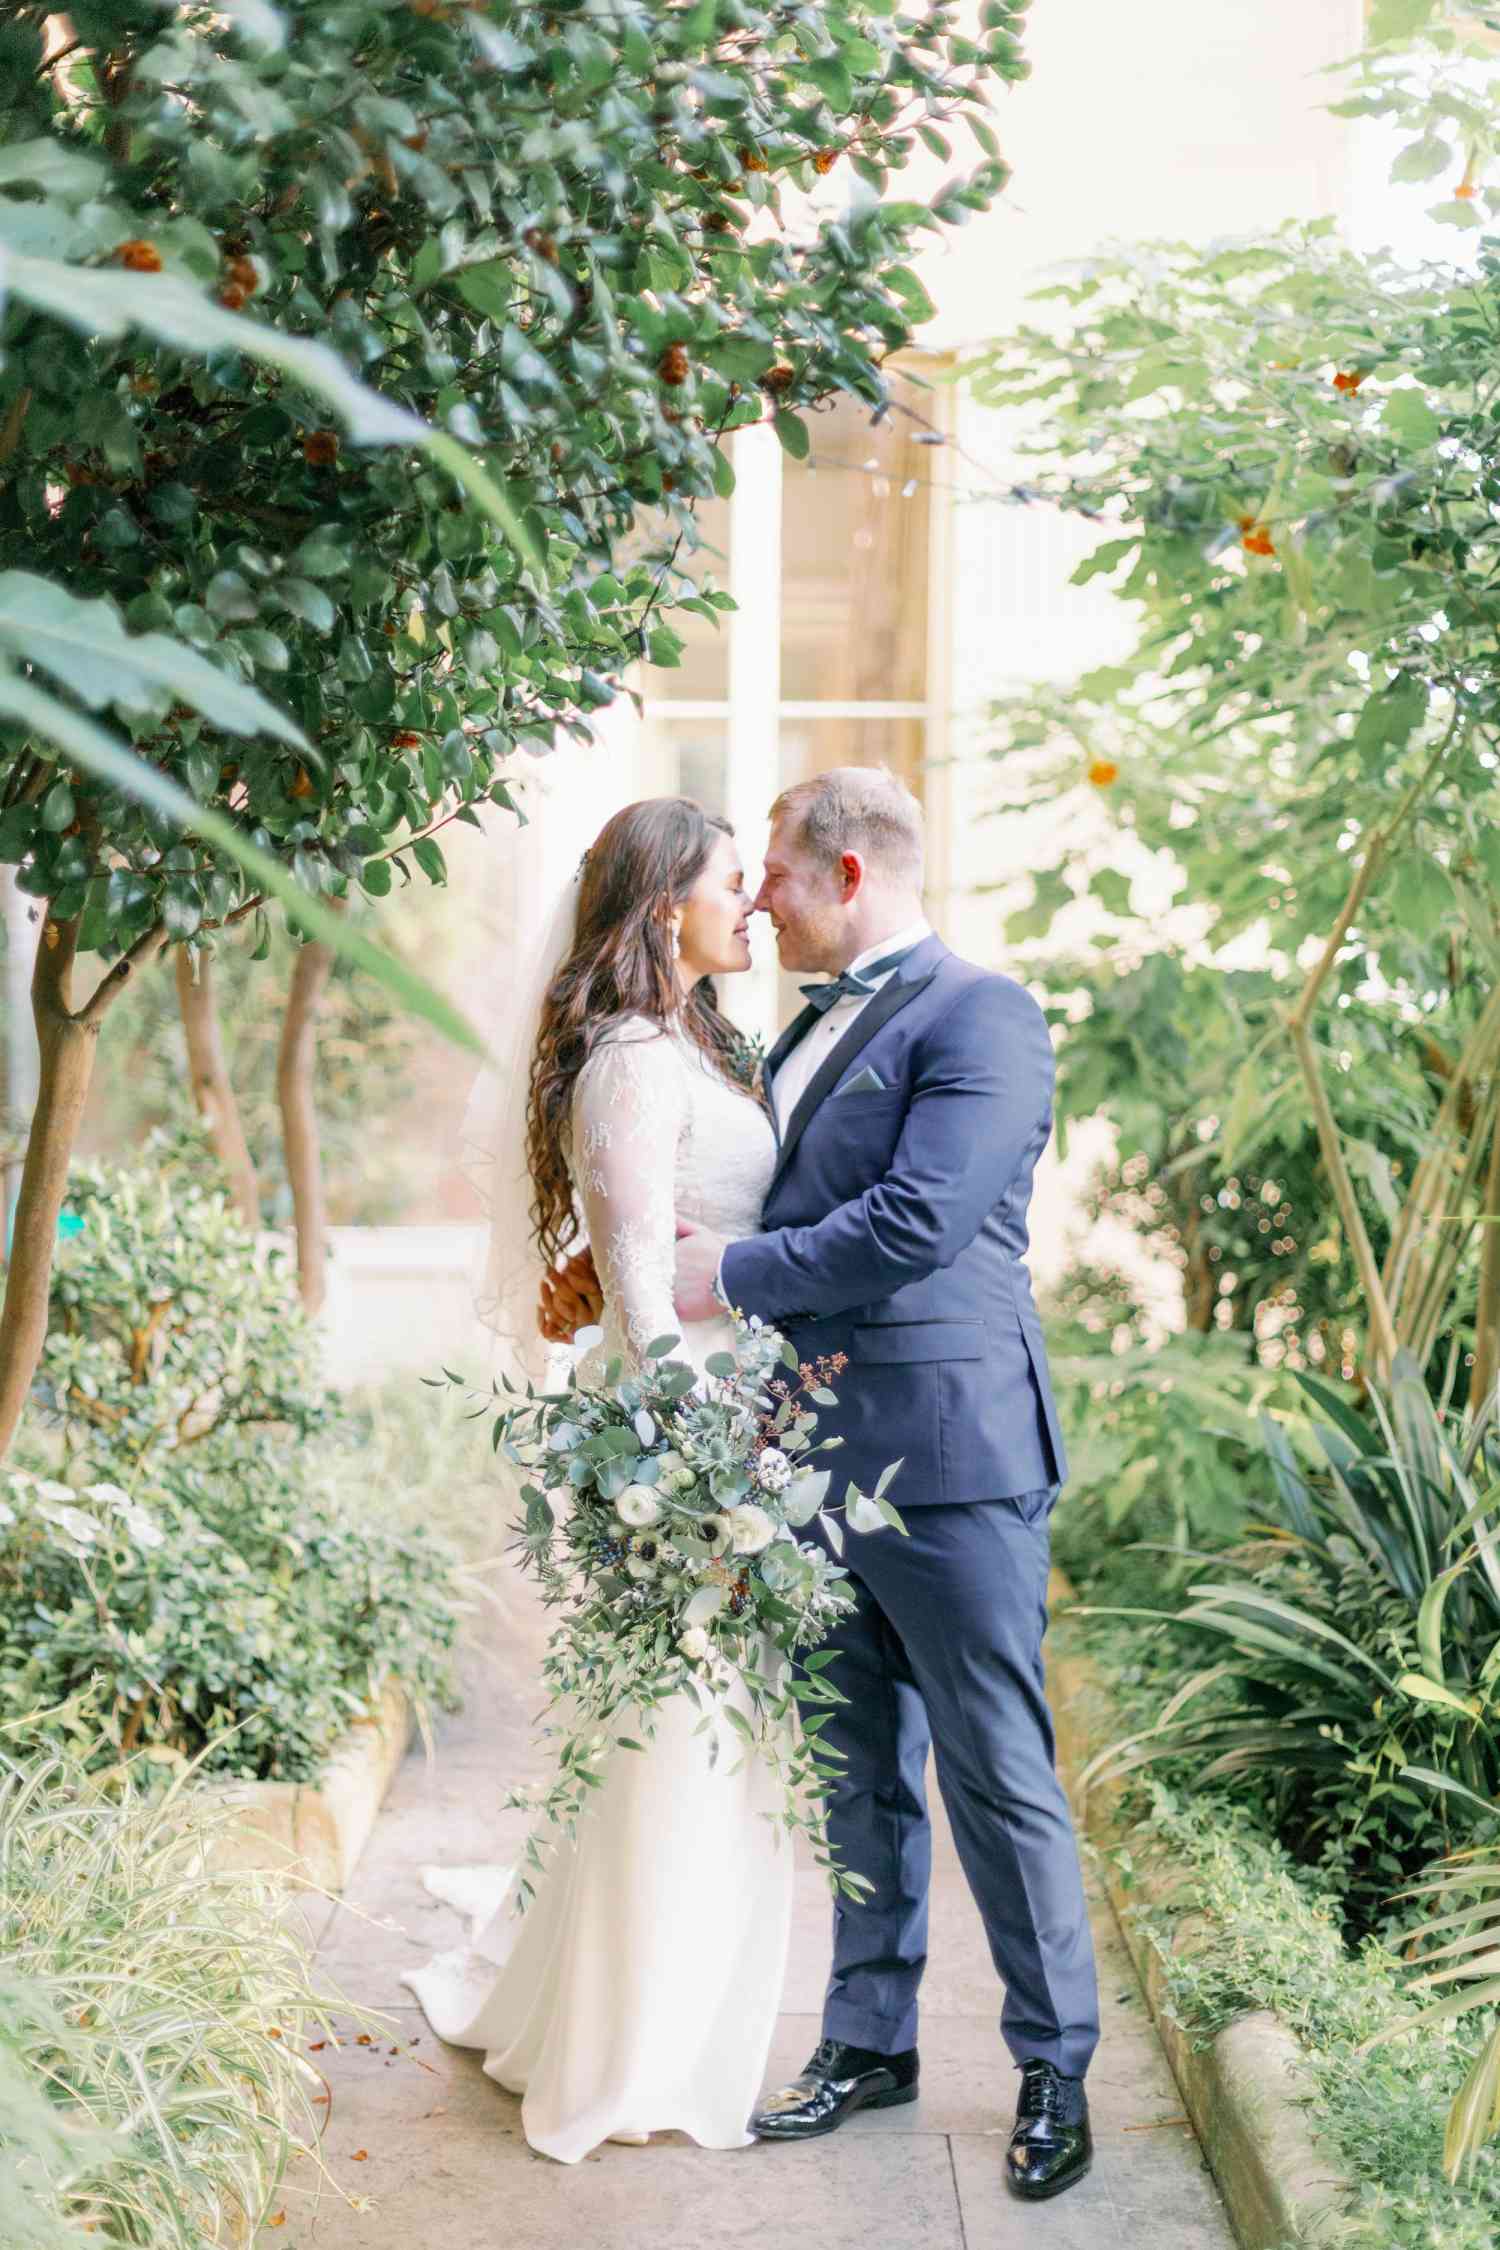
1363,1630
1459,1946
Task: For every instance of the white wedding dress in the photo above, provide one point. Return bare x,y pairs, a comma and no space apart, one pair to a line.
639,1990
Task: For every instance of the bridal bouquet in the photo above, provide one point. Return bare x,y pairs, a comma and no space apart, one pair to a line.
662,1512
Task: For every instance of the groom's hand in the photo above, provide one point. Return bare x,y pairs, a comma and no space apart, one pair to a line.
570,1299
698,1255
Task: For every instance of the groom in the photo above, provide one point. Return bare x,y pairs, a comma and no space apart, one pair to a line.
912,1098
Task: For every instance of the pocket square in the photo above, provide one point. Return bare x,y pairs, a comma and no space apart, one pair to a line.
868,1082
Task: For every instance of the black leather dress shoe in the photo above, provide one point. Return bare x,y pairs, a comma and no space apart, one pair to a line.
839,2080
1051,2146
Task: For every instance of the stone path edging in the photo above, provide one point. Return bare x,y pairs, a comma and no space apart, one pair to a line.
314,1832
1246,2093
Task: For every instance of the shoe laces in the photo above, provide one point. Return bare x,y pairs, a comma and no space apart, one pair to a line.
1041,2091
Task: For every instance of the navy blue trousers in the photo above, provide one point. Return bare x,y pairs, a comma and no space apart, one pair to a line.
945,1649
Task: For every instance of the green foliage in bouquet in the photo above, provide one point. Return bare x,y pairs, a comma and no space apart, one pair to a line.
178,1542
661,1514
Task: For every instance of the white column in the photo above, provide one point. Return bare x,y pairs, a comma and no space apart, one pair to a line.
754,760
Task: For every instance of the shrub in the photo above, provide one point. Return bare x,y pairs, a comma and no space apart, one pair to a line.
1269,1937
151,2013
1352,1674
191,1557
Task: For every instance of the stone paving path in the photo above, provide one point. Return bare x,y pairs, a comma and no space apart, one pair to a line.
445,2166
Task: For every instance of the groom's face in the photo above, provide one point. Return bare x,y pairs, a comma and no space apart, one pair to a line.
804,898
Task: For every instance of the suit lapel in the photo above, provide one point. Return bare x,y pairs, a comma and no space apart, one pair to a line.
914,975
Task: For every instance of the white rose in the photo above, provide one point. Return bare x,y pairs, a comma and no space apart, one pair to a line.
773,1471
694,1644
671,1461
750,1528
638,1505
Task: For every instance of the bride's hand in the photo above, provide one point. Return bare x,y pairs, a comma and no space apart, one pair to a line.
570,1299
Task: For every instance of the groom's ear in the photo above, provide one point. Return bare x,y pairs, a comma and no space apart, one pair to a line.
851,875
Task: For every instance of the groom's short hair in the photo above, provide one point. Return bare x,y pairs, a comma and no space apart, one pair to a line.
864,809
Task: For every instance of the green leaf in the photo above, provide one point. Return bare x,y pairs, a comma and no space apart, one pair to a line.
101,302
57,808
1399,19
1050,895
1408,416
99,753
1423,159
792,431
1422,897
85,645
1423,1690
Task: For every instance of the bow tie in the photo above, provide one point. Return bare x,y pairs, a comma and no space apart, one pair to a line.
852,984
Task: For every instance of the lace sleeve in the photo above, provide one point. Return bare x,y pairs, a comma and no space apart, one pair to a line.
628,1108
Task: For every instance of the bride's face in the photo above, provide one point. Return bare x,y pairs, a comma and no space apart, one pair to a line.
714,934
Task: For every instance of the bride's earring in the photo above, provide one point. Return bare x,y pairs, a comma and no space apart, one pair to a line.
676,941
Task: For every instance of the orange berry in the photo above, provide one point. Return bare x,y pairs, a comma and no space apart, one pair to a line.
673,367
750,161
824,159
138,256
232,296
406,740
1347,382
417,141
320,448
778,378
301,787
244,273
1102,772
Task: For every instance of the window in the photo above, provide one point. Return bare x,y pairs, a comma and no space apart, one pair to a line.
835,653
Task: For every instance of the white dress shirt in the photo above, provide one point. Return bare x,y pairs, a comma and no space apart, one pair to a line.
796,1073
801,1065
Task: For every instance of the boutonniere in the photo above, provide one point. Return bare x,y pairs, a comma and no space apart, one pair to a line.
747,1062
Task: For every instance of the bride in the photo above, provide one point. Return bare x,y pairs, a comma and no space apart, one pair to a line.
639,1991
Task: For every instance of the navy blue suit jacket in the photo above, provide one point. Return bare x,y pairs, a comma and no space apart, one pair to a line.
896,1233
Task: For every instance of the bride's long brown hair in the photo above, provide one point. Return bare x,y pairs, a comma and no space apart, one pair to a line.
642,864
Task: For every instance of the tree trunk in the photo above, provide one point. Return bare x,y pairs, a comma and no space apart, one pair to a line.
299,1117
212,1092
67,1041
1487,1315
